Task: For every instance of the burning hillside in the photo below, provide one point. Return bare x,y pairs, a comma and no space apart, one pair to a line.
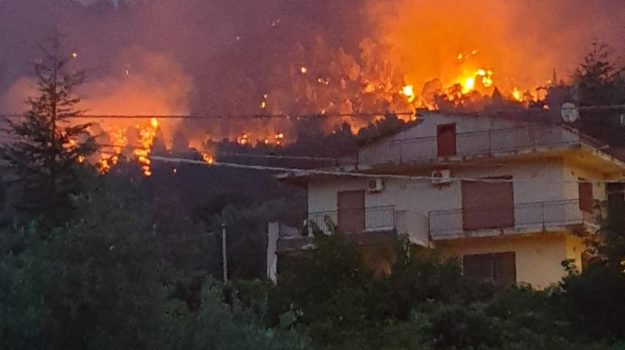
340,60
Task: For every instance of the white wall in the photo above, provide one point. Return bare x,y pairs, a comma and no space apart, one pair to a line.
533,182
475,137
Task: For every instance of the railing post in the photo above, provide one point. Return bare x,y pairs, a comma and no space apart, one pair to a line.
542,212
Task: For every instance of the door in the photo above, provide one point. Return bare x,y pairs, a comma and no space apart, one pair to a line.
351,211
487,205
446,140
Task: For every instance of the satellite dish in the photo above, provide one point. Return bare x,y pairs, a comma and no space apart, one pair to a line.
569,112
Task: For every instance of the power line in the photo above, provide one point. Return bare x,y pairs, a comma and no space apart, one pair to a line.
298,171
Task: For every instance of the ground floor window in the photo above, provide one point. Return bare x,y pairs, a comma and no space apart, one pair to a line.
499,268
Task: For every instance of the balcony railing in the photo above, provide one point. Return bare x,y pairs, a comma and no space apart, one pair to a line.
480,143
527,217
372,219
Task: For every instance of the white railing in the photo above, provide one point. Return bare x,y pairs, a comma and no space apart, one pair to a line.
527,217
375,218
486,142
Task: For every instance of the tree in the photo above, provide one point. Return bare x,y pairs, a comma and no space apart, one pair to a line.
46,158
594,298
597,80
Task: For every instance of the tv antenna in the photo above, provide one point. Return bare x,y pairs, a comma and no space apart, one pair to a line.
569,112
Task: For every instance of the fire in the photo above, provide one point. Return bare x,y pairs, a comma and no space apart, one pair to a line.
140,149
146,140
468,85
279,137
208,158
408,91
243,139
516,93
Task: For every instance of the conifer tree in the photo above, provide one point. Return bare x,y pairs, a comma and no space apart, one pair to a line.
48,149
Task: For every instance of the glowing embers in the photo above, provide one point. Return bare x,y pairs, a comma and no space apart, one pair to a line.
480,78
408,92
208,158
139,149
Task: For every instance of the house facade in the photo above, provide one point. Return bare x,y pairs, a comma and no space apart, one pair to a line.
509,198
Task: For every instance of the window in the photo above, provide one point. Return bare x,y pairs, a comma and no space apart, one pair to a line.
586,202
499,268
616,194
446,140
351,211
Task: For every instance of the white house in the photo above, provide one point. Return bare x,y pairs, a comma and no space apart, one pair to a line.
509,197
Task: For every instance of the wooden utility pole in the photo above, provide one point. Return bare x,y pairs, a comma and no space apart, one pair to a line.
224,253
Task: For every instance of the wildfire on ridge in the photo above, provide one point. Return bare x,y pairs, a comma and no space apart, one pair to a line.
140,151
471,78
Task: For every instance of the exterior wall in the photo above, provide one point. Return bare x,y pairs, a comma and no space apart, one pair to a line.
476,136
538,257
572,172
535,180
414,200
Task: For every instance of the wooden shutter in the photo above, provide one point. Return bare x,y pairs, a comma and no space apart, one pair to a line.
504,268
499,268
478,267
446,140
586,197
487,205
351,211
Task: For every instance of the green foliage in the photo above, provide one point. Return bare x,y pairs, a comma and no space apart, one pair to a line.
215,326
46,158
101,283
594,299
424,303
597,81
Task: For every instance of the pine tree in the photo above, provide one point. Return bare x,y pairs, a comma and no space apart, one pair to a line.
597,80
50,152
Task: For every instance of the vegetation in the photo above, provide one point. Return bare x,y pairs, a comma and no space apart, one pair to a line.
49,152
122,262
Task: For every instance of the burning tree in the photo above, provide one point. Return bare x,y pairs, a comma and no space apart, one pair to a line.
48,152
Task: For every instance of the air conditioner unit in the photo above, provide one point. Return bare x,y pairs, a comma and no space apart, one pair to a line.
375,185
441,177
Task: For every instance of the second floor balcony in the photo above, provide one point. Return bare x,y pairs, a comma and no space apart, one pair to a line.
523,218
491,142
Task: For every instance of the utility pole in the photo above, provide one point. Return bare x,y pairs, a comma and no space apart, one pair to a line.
224,253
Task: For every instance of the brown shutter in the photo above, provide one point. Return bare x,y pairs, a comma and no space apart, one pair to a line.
446,140
487,205
478,267
499,268
585,197
351,211
505,268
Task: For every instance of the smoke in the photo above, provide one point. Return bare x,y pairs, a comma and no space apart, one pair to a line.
282,56
522,42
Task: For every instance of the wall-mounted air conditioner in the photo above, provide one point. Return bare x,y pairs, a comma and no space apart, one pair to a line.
441,177
375,185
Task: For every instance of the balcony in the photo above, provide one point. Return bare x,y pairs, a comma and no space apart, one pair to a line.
527,218
357,221
472,144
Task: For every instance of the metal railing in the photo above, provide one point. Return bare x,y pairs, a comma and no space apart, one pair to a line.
527,216
372,219
486,142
